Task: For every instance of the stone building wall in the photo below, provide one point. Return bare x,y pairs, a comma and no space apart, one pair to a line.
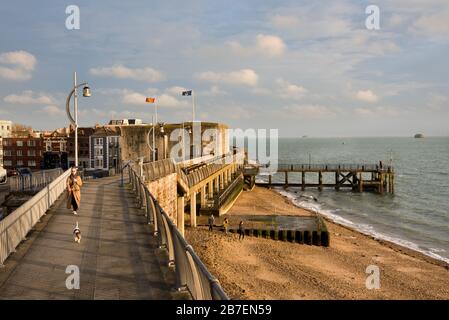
164,190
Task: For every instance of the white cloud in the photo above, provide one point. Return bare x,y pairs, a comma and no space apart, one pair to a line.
378,112
163,100
130,97
17,65
264,45
121,72
53,110
175,91
284,21
28,97
290,91
246,77
272,45
309,111
366,96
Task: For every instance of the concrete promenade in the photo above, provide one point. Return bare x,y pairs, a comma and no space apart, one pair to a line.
118,258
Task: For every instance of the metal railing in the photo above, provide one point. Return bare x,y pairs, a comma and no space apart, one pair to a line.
15,227
223,196
36,181
191,273
335,167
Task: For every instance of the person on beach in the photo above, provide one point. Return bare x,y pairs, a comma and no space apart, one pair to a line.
226,225
241,231
211,221
74,184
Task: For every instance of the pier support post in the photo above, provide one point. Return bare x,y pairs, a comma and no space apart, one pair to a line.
337,180
210,189
360,183
222,183
180,221
193,209
203,197
269,180
286,179
320,181
303,181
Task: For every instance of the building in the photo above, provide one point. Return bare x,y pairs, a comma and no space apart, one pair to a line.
23,152
5,132
5,128
83,147
55,144
125,122
104,148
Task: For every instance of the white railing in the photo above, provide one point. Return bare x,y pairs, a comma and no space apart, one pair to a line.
15,227
191,273
37,180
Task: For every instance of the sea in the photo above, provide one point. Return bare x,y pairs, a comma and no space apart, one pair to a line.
416,216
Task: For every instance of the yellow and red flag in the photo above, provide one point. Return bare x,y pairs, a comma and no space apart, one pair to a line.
150,100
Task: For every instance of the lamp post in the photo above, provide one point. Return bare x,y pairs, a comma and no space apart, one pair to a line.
74,120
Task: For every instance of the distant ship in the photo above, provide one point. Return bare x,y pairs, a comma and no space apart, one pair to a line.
304,137
419,136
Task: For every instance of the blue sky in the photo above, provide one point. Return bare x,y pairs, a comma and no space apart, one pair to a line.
304,67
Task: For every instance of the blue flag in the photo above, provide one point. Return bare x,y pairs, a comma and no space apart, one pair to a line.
187,93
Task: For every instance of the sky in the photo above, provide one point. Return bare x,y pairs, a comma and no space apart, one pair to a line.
303,67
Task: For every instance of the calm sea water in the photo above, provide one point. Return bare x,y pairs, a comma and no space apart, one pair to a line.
416,216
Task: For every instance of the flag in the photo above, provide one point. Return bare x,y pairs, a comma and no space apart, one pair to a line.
187,93
150,100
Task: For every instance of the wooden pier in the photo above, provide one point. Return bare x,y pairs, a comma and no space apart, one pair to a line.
358,177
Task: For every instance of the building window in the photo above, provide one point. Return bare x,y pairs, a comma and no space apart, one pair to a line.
19,163
31,163
31,143
19,153
7,153
99,151
62,146
19,143
5,143
98,141
31,153
7,163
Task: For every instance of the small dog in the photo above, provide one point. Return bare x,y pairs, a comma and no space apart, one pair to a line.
77,233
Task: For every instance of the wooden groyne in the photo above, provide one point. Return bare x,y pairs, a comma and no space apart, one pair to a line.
358,177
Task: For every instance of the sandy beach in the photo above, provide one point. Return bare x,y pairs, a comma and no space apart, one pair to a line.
266,269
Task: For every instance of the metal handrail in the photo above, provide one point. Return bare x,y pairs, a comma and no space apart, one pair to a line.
335,167
191,273
15,227
37,180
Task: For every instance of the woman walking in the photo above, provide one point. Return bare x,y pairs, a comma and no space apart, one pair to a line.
74,184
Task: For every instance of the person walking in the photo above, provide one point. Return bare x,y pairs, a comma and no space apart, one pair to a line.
74,184
241,231
211,221
226,225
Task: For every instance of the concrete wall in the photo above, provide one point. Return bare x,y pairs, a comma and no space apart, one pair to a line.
164,190
134,140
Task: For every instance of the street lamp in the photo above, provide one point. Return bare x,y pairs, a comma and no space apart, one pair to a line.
74,121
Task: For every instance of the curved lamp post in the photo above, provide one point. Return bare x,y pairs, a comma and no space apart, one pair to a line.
74,120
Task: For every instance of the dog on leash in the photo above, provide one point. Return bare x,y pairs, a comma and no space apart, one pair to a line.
77,233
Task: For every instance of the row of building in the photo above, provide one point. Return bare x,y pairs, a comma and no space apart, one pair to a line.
98,147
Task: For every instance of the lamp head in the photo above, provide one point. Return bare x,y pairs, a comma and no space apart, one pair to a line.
86,91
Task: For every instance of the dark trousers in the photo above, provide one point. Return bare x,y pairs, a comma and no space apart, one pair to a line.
74,204
211,227
242,234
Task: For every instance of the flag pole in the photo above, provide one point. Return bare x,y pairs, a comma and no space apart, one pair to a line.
154,147
193,106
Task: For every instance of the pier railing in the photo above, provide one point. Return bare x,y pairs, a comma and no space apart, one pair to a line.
15,227
36,181
191,273
335,167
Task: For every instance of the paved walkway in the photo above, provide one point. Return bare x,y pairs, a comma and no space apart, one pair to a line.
118,258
